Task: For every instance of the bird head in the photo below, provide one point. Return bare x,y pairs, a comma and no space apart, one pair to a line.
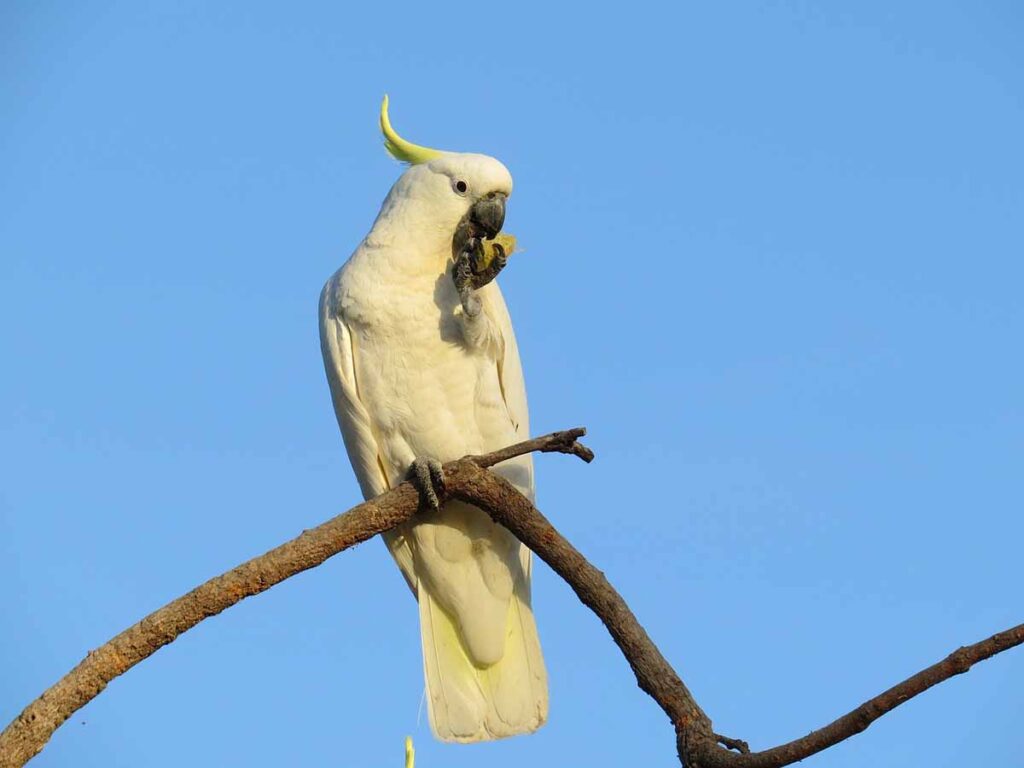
460,195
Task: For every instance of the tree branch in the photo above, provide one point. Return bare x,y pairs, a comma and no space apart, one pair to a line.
697,743
28,733
556,442
859,719
468,482
466,479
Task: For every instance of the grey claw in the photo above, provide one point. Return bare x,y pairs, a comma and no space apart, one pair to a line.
481,275
436,475
428,477
462,273
499,261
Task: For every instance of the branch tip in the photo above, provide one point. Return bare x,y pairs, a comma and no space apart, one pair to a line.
556,442
567,442
737,744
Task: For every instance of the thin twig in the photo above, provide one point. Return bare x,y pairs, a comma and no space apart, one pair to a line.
859,719
738,744
556,442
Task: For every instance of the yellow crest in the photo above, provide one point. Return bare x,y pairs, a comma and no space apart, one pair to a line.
399,148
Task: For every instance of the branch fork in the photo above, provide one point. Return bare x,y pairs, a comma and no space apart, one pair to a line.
467,479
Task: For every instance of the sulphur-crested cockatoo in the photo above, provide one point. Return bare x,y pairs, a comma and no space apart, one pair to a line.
423,368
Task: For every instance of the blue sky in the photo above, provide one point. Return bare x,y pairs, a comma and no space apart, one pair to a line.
773,260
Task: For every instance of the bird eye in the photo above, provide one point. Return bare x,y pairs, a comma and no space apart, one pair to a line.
461,186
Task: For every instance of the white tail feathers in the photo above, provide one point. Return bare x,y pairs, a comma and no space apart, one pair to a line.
468,703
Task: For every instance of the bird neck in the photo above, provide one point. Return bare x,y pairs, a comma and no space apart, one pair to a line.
406,241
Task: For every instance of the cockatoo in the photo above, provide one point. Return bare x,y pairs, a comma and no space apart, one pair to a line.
423,368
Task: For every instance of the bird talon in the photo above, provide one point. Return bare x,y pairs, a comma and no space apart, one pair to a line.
480,262
428,477
462,269
436,475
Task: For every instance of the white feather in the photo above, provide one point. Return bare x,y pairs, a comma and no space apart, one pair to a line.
411,376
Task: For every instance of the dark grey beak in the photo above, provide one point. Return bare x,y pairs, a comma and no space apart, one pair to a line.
488,214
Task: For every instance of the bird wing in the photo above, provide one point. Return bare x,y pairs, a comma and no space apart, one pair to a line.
513,390
337,345
510,370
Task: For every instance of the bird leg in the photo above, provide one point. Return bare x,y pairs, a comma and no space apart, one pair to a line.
426,474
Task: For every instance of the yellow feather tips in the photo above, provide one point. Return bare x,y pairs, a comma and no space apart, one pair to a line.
410,753
399,148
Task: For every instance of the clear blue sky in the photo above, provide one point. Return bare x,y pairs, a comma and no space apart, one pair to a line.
774,261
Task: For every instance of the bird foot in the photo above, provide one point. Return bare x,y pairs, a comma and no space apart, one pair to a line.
428,477
476,265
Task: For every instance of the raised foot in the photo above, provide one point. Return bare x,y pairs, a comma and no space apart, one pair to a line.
477,264
428,477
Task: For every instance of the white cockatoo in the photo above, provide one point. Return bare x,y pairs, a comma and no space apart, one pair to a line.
423,368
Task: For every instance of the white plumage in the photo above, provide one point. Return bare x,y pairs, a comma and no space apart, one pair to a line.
413,375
